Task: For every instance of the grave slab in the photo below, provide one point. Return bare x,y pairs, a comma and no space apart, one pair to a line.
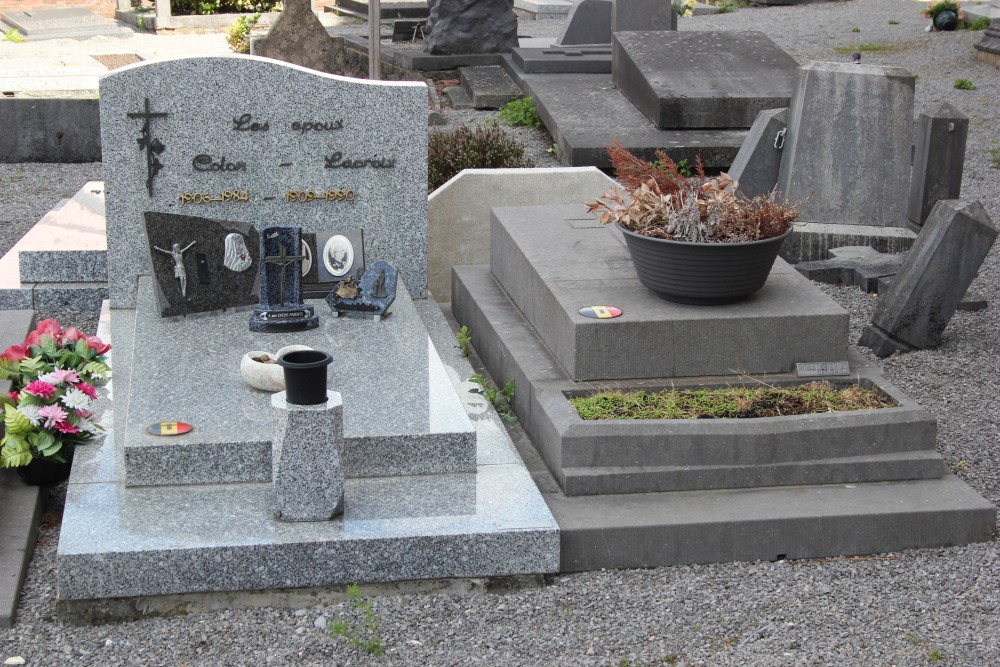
529,258
584,112
565,60
298,137
402,416
914,311
813,241
861,266
702,79
847,146
488,86
62,23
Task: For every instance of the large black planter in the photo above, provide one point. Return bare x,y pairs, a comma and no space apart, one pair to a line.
305,376
702,274
946,20
43,472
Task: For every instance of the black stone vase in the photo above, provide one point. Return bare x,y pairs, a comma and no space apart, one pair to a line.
702,274
946,19
45,472
305,376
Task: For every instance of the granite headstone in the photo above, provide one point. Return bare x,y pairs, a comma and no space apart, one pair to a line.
756,165
213,266
266,143
938,161
847,146
921,299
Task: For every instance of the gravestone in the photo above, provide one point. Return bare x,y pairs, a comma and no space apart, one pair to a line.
212,256
297,37
913,312
701,79
589,22
756,165
270,145
847,146
938,160
643,15
470,26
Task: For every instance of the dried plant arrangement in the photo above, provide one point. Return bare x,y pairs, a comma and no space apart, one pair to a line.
661,203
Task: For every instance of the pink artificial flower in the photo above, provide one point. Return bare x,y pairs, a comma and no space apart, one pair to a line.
88,389
15,353
64,375
83,414
39,388
95,343
49,328
71,335
54,416
67,428
34,338
14,395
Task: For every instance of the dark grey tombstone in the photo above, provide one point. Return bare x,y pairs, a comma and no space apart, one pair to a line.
703,79
938,161
589,22
470,26
213,267
913,312
281,307
643,15
756,165
297,37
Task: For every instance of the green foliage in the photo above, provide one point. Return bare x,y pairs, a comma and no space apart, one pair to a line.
203,7
479,146
499,398
855,29
362,633
964,84
521,113
13,35
893,22
464,337
863,47
982,23
995,156
727,6
238,35
728,402
935,655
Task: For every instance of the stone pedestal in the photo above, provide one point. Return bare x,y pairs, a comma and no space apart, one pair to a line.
988,49
306,459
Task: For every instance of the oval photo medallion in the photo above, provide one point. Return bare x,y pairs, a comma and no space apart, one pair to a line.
600,312
169,428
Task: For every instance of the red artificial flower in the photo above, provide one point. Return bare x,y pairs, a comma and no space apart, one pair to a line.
95,343
15,353
66,427
71,335
39,388
34,338
13,395
88,390
50,327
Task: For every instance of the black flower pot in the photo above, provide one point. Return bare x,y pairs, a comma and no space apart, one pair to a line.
45,472
305,376
946,19
702,274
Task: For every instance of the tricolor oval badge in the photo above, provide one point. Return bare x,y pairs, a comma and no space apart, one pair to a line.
600,312
169,428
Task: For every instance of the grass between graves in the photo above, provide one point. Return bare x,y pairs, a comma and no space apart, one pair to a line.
729,402
866,47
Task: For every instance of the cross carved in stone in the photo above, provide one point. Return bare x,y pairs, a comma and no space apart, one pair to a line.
283,259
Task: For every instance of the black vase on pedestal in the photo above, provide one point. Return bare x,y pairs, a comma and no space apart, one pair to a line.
305,376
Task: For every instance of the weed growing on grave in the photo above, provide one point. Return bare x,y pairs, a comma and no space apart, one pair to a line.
17,176
729,402
982,23
865,47
727,6
479,146
499,398
13,35
464,337
893,22
995,156
964,84
553,150
372,644
935,655
238,35
521,113
855,29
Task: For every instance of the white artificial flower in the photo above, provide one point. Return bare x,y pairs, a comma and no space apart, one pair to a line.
87,426
74,399
31,412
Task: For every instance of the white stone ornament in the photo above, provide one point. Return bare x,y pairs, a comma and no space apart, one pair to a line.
237,257
266,376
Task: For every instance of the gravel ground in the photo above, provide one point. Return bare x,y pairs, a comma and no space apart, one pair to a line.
936,606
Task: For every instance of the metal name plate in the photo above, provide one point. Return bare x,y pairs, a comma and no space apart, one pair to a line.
822,369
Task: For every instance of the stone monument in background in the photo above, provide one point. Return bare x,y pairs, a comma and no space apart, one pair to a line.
297,37
470,26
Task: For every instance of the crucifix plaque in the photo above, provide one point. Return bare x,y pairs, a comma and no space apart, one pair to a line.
281,307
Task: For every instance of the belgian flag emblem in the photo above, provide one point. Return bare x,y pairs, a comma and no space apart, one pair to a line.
600,312
169,428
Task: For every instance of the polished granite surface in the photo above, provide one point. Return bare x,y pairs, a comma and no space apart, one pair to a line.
121,541
401,414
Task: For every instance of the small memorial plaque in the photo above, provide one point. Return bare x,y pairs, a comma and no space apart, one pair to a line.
600,312
169,428
822,369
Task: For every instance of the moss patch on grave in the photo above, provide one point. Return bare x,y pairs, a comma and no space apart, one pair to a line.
729,402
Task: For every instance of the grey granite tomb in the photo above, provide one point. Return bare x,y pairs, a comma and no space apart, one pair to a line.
921,299
272,145
220,267
938,161
847,146
756,165
701,79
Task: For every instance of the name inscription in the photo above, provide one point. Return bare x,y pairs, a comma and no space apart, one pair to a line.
338,161
204,162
